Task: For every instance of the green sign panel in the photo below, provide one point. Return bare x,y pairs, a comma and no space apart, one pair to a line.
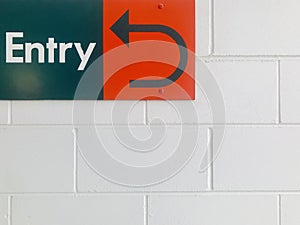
46,46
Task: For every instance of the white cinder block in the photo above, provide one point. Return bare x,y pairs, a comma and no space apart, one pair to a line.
249,92
92,210
42,112
203,27
4,112
257,27
4,216
36,159
290,205
290,91
258,159
213,210
189,178
61,112
120,112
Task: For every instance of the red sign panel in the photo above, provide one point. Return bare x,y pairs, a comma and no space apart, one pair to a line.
148,49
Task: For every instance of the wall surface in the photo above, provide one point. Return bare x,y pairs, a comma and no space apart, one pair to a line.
252,48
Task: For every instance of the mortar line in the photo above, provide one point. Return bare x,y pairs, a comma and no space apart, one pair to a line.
9,113
171,193
279,213
274,57
212,27
146,210
279,91
249,124
146,112
210,171
9,212
75,172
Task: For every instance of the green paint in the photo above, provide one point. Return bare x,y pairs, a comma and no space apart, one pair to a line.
67,21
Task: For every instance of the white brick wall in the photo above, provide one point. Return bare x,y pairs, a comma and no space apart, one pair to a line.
252,48
88,210
257,27
4,112
290,91
213,209
4,215
61,112
36,159
290,209
258,158
188,179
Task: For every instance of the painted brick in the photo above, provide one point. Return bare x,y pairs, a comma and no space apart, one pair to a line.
290,205
92,210
249,92
36,159
212,210
203,28
61,112
257,27
4,112
290,91
4,216
190,178
258,159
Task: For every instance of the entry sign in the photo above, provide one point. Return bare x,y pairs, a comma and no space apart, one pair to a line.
145,48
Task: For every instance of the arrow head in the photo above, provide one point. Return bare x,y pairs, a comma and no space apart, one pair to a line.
121,28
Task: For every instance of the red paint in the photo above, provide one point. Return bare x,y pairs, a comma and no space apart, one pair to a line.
177,14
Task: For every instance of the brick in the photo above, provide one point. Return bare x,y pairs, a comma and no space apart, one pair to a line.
257,27
4,112
88,210
249,92
36,159
265,158
213,209
203,28
290,91
190,178
61,112
290,205
4,216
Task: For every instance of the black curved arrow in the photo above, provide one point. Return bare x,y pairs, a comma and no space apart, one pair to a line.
122,28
